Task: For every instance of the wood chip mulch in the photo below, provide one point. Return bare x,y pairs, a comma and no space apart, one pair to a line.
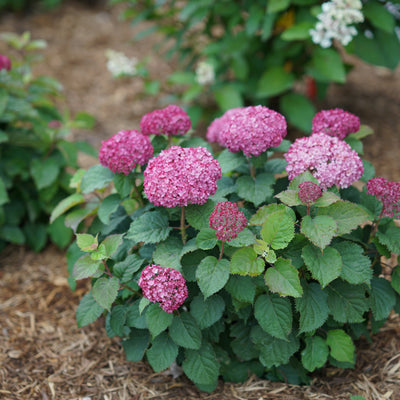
43,355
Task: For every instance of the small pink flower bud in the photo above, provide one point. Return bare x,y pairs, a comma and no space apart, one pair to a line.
309,192
5,62
388,193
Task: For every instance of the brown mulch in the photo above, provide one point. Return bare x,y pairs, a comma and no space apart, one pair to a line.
43,355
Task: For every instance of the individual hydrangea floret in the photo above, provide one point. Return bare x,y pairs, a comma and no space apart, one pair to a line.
251,129
335,122
124,150
180,176
5,62
171,120
388,193
329,159
165,286
205,74
309,192
227,221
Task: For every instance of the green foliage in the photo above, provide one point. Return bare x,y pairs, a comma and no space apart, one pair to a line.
36,157
283,299
27,5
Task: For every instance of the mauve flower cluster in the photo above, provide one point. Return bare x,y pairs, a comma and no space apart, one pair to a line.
227,221
165,286
180,176
171,120
124,150
329,159
309,192
251,129
5,62
336,122
388,193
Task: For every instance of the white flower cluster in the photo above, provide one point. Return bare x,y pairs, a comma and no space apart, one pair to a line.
205,74
335,22
121,65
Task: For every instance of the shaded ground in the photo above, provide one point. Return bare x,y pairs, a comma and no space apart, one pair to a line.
42,353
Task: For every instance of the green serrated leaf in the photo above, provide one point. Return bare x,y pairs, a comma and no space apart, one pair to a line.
134,317
326,199
66,204
212,275
88,310
243,239
85,267
264,212
105,291
274,314
168,253
256,190
395,282
341,345
241,288
275,80
230,161
96,177
319,230
198,216
383,298
207,311
315,354
118,319
206,239
283,279
86,242
185,332
157,319
136,345
111,243
162,352
289,197
107,207
125,269
325,266
45,172
390,238
246,262
278,230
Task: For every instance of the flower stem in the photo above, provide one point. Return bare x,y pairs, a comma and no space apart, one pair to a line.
137,196
308,209
222,250
374,228
183,226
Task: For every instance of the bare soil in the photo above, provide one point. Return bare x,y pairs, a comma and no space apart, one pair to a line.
43,355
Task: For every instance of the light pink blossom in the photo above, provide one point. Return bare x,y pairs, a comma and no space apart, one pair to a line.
124,150
388,193
329,159
165,286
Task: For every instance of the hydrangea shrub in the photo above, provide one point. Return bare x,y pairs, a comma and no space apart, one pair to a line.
281,53
36,158
233,264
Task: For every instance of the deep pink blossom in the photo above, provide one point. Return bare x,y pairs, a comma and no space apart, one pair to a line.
250,129
5,62
124,150
329,159
388,193
171,120
227,221
180,176
165,286
309,192
335,122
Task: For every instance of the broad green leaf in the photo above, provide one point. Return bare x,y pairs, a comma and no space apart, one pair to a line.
118,319
273,351
383,298
105,291
230,161
96,177
319,230
246,262
243,239
363,132
227,97
206,239
212,275
185,332
86,267
151,227
3,193
356,267
390,238
347,303
74,218
83,120
256,190
275,6
88,310
303,177
201,366
300,31
207,311
379,16
289,197
241,288
65,204
313,307
45,172
136,345
225,186
369,171
274,314
36,235
326,199
111,243
86,242
157,319
347,215
278,230
395,282
275,80
123,185
198,216
168,253
297,108
325,266
108,206
3,100
341,345
59,233
133,316
315,353
327,66
125,269
262,213
283,279
162,352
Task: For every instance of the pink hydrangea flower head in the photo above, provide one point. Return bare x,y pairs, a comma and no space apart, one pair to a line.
252,129
180,176
165,286
335,122
217,125
5,62
329,159
227,221
171,120
124,150
309,192
388,193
